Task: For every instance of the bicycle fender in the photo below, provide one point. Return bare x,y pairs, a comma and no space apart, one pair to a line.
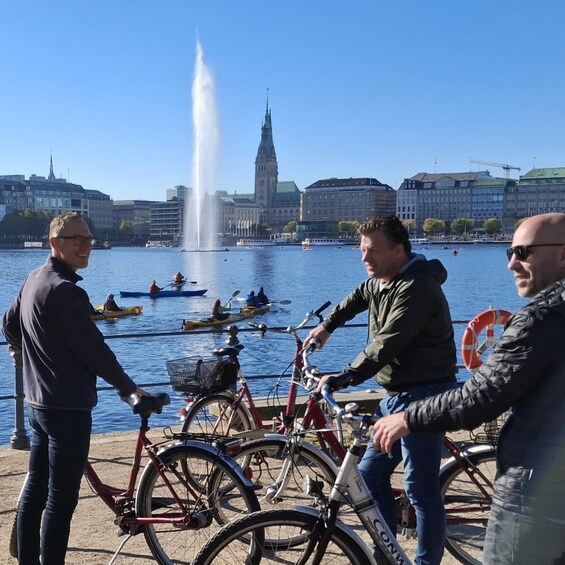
339,525
471,449
199,447
307,446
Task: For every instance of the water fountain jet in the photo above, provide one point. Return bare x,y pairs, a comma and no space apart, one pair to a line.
200,219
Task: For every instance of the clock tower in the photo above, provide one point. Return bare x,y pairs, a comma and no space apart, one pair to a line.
266,169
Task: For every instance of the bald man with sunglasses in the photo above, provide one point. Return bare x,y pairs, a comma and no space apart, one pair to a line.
525,375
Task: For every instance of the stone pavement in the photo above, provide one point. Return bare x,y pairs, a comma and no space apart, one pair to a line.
94,538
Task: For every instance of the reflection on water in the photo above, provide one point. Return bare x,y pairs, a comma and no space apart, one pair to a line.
477,279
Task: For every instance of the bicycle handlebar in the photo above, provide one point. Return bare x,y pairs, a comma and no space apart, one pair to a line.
292,330
311,372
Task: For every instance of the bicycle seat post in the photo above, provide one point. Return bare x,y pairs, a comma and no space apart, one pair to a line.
232,339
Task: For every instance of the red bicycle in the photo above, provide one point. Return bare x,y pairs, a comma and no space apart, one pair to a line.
176,511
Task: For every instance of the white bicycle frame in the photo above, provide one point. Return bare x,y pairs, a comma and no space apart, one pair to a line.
350,488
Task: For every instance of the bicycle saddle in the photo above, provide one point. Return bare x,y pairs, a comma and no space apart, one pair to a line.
148,404
232,350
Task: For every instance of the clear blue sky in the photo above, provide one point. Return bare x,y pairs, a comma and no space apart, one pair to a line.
357,88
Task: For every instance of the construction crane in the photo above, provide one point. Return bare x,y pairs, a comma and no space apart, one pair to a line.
506,168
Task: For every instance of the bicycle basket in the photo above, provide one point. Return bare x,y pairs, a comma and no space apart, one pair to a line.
489,431
201,376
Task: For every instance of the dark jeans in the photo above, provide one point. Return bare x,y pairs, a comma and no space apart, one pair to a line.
421,453
513,538
59,449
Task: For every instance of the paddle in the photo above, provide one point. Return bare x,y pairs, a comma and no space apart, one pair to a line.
178,284
233,295
280,301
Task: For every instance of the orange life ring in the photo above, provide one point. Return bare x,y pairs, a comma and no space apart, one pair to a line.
470,349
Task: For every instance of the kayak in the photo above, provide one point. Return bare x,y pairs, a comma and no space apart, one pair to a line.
162,293
232,318
126,311
250,311
210,322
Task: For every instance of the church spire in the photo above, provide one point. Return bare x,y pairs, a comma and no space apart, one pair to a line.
51,173
266,168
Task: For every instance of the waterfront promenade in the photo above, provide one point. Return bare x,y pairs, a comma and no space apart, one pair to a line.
94,536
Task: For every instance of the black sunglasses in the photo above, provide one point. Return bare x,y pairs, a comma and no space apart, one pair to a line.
523,251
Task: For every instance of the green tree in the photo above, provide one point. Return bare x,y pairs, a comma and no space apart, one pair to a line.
290,227
492,225
462,225
26,224
434,226
410,225
518,222
348,227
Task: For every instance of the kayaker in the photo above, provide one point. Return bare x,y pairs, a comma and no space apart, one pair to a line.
179,278
220,312
251,300
154,287
110,304
262,297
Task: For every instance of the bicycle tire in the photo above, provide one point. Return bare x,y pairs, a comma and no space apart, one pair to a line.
203,416
467,508
207,511
231,544
262,462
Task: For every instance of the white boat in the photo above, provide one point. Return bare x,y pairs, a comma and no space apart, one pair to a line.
419,241
310,242
33,244
254,242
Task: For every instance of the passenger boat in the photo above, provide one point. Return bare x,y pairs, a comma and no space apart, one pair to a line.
419,241
163,293
255,242
244,313
126,311
310,242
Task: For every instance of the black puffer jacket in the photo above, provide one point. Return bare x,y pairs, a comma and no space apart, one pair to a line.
525,373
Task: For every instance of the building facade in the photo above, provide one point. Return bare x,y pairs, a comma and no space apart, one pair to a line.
447,196
353,199
137,214
100,211
539,191
167,220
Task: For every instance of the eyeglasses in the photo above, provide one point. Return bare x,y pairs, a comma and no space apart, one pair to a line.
78,240
523,251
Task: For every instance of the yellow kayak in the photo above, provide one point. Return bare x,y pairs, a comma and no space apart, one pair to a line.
232,318
125,311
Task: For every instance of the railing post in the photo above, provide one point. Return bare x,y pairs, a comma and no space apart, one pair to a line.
20,439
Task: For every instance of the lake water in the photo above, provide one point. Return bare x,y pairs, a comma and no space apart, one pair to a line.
478,278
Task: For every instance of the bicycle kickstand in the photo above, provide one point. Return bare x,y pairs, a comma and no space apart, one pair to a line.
114,557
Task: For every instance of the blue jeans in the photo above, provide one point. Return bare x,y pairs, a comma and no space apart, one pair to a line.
59,450
421,453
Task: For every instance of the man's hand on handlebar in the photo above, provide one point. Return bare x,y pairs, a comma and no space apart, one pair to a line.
320,334
335,382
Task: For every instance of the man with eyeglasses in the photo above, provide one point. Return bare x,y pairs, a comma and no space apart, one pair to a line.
525,375
49,324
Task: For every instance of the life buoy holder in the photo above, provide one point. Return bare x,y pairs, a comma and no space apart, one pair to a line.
471,351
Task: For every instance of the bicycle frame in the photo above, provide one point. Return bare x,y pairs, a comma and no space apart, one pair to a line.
121,501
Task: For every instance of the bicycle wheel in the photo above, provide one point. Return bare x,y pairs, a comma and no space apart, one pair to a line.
467,507
231,544
214,415
279,467
201,513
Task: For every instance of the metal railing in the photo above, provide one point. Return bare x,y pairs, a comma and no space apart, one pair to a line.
20,437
